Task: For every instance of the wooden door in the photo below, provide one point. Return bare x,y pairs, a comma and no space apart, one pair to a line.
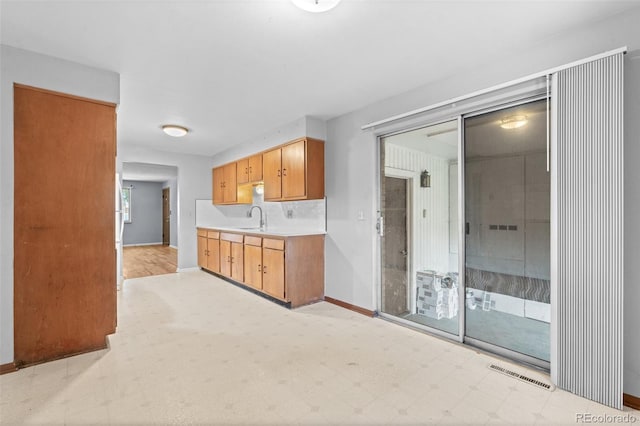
64,228
166,213
273,272
217,185
237,261
202,252
293,170
255,168
242,171
271,164
213,255
253,266
230,183
225,258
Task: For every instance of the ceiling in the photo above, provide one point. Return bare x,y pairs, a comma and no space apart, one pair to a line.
148,172
232,70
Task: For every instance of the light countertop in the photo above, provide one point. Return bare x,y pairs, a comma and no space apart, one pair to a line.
267,232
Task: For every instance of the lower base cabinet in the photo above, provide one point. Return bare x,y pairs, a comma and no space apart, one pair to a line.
290,269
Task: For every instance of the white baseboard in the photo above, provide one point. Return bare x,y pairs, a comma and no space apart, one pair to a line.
143,244
174,247
188,269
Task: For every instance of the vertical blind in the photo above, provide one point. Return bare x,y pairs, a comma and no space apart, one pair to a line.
589,286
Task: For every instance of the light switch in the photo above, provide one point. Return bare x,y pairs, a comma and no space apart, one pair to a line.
360,215
289,214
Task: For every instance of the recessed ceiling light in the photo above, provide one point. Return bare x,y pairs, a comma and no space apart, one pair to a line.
175,131
513,122
316,6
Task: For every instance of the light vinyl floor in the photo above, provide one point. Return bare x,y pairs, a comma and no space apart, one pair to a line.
193,349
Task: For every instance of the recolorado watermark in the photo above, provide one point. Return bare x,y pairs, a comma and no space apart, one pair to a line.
627,418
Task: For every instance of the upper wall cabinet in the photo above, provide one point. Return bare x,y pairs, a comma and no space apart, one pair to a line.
294,171
250,169
225,187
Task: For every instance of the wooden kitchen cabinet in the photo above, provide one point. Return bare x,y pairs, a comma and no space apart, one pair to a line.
225,189
232,255
213,251
294,171
249,169
253,261
287,268
273,272
202,250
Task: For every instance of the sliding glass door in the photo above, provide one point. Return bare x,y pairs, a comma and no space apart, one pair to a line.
507,227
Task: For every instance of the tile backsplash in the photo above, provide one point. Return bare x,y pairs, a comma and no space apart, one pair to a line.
309,215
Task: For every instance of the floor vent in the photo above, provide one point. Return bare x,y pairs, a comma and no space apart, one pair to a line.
522,377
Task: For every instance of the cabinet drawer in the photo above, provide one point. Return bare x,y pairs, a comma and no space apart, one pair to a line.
253,241
213,234
273,244
236,238
202,232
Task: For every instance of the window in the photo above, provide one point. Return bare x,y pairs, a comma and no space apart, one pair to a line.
126,204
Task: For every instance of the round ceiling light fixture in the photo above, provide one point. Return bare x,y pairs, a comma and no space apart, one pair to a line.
316,6
513,122
174,130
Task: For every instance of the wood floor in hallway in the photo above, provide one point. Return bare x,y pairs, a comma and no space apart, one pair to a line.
145,261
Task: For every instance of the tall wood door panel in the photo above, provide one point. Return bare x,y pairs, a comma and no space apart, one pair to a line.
217,185
166,213
230,183
253,266
237,261
64,228
273,272
213,255
272,174
202,252
293,170
225,258
255,168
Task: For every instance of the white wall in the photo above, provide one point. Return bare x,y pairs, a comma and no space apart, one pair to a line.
50,73
172,184
194,182
351,171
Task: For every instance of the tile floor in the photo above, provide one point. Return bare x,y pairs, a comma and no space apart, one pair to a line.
192,349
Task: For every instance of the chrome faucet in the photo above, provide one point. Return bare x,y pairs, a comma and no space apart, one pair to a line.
263,218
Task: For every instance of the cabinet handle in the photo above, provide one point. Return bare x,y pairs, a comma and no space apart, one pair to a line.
284,172
279,173
250,170
264,269
259,268
231,259
246,170
228,258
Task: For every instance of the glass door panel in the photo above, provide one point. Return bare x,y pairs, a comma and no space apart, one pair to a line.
419,207
507,214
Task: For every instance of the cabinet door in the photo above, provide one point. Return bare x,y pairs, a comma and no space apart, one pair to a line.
230,183
242,171
213,255
272,175
202,252
293,170
273,272
237,261
225,258
255,168
253,266
217,185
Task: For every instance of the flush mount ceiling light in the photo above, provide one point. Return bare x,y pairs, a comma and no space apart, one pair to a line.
316,6
513,122
175,131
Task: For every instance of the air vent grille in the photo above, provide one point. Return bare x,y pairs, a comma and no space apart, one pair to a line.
522,377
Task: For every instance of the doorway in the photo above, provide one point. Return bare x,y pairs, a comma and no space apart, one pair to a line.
475,241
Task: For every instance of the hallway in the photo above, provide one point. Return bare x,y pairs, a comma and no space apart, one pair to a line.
144,261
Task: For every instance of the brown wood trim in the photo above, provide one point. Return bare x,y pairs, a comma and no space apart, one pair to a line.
273,244
631,401
65,95
349,306
8,368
